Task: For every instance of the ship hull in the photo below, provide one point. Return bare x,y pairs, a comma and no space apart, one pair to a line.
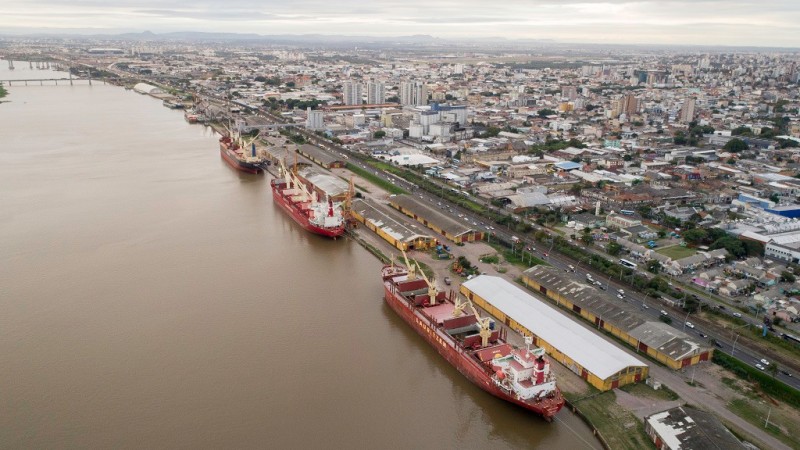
298,216
237,164
462,362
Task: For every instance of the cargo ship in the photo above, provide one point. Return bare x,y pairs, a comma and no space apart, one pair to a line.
232,149
325,218
471,343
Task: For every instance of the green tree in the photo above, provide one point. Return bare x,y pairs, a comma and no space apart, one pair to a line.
788,277
587,239
653,266
679,138
695,236
736,145
545,112
742,131
613,249
379,134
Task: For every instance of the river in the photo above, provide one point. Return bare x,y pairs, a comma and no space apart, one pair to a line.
152,297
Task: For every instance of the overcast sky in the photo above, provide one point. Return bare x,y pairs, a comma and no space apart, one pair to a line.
717,22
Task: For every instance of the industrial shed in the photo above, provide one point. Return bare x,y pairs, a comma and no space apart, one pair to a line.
325,184
596,360
453,229
392,231
661,342
320,156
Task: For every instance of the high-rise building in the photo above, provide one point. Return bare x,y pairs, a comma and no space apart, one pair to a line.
413,93
376,92
687,111
569,93
314,119
351,93
629,105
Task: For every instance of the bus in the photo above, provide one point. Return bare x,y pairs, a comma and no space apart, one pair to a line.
627,263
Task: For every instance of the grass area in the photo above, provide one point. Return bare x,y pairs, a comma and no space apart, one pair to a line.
643,390
524,259
376,180
769,385
619,428
780,426
676,251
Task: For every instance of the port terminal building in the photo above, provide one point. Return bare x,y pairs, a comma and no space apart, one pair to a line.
599,362
665,344
400,235
451,228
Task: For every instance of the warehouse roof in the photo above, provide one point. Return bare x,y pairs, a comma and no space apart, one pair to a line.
592,352
430,214
398,230
668,340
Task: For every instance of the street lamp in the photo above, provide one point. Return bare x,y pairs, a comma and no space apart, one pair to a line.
685,319
733,350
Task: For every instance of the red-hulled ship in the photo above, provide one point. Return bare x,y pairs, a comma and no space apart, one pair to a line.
233,150
320,217
472,344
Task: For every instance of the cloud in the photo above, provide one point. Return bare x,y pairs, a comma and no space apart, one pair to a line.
732,22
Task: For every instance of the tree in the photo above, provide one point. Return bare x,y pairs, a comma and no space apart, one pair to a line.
679,138
545,112
788,277
695,236
653,266
736,145
587,239
742,131
613,248
379,134
393,99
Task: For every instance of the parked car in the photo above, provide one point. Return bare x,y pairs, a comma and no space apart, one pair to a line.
664,313
764,362
759,367
736,314
690,324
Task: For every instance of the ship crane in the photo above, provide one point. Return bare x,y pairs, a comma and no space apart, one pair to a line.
484,324
432,292
459,307
412,271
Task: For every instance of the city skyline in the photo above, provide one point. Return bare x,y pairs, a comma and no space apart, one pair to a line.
733,23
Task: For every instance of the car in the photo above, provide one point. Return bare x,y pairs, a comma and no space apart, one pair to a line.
645,306
736,314
701,334
718,344
545,254
759,367
598,283
620,296
690,324
788,374
621,292
764,362
664,313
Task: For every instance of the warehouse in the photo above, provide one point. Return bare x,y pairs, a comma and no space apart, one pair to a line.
320,156
594,359
658,340
392,231
451,228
